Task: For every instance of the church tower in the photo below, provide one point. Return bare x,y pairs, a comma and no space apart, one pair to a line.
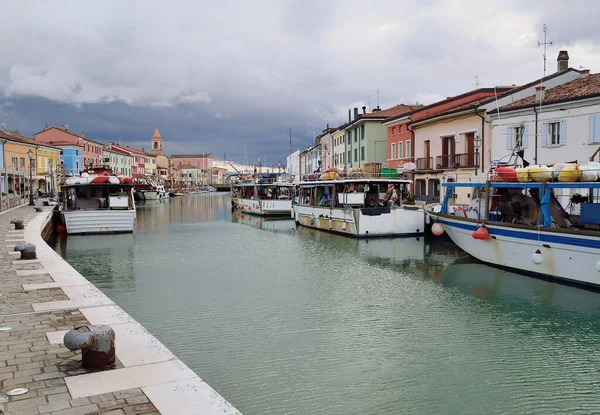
157,143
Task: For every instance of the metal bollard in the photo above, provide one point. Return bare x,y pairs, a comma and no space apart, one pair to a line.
97,344
18,223
27,251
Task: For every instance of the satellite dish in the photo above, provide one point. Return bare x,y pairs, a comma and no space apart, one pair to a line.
409,166
3,125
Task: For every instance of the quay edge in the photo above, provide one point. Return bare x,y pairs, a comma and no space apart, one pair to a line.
167,382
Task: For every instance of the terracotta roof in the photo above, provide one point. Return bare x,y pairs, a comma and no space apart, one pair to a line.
12,136
193,156
65,143
127,148
156,134
188,166
116,150
83,137
390,112
464,107
585,87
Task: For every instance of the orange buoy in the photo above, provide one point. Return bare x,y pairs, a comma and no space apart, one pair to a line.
474,234
482,233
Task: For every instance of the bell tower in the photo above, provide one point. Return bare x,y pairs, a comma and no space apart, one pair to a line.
157,143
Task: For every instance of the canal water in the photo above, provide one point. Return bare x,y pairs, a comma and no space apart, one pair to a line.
293,321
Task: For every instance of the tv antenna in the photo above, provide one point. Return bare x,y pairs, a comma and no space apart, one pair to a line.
476,82
368,98
544,44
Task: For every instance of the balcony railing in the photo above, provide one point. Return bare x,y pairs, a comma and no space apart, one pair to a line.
424,163
455,161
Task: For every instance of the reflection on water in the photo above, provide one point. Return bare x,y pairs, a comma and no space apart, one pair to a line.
107,260
296,321
283,224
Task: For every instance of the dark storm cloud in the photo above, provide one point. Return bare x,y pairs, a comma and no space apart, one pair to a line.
221,76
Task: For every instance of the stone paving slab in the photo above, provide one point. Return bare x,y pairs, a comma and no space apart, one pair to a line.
40,300
28,359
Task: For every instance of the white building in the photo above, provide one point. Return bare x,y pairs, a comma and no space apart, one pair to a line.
293,165
566,127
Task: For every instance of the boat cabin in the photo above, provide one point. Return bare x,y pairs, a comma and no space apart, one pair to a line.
97,197
353,193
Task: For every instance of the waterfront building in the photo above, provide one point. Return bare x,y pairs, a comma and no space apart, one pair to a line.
118,160
138,157
293,165
339,153
448,138
191,176
149,164
71,158
327,150
92,150
558,124
16,151
202,161
366,137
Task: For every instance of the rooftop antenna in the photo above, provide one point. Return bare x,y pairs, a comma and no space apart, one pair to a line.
544,44
476,82
290,140
378,98
368,98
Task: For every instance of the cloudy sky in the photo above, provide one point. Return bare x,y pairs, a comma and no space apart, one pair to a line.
228,75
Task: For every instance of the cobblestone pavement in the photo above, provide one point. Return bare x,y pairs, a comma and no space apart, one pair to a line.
27,359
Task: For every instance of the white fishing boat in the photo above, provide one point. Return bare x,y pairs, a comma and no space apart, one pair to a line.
263,197
359,207
97,206
524,226
157,192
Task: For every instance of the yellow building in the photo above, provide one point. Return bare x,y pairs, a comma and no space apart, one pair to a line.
150,164
17,162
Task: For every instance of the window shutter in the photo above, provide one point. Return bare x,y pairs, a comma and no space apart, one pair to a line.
440,139
597,129
592,135
509,140
563,132
525,137
544,134
456,138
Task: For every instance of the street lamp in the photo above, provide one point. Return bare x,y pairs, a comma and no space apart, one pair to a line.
30,155
476,144
50,164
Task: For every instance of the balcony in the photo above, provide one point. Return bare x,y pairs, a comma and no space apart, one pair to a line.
424,163
456,161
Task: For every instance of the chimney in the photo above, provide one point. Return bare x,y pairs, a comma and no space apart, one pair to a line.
45,127
376,109
82,133
585,73
143,150
364,108
563,61
349,115
540,93
355,113
62,127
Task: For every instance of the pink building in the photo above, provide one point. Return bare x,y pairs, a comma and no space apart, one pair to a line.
91,150
198,161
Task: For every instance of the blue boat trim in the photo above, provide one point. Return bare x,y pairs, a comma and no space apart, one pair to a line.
542,236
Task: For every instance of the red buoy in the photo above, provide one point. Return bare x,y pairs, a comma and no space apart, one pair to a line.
61,229
482,233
